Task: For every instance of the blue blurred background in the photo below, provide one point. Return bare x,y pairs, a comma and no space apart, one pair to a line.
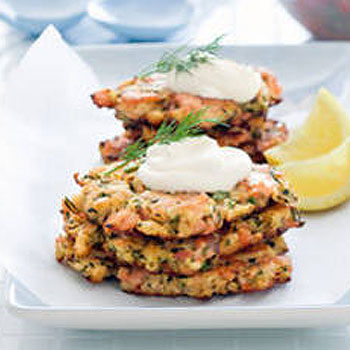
117,21
120,21
246,22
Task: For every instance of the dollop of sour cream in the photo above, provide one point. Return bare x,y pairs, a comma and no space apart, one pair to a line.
217,78
194,164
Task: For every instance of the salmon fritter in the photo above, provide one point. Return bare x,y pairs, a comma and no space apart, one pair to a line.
254,138
143,104
237,278
99,264
122,204
186,256
95,265
173,244
189,256
147,100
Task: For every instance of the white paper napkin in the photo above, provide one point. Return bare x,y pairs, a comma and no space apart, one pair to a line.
49,130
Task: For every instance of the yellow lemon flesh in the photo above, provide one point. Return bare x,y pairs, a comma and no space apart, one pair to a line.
322,182
316,159
326,128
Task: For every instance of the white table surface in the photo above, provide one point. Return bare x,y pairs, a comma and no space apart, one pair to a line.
267,24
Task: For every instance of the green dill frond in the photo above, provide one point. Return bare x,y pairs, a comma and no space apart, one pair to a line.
167,133
183,59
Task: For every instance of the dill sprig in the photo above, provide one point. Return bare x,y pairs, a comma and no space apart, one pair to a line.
166,133
184,59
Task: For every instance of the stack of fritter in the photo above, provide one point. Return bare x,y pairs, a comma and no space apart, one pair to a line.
194,244
143,104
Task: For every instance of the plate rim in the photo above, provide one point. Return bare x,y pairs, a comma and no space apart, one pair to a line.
157,45
11,285
181,318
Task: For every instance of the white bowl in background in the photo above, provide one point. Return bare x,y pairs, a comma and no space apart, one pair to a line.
33,16
326,19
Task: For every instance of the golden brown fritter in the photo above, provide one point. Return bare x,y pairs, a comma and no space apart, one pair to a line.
99,264
195,244
86,249
254,138
144,103
186,257
240,277
122,204
149,101
95,266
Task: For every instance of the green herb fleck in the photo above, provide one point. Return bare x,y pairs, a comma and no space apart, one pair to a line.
257,221
112,248
206,265
219,196
174,223
252,200
256,134
131,168
231,203
137,255
136,203
227,242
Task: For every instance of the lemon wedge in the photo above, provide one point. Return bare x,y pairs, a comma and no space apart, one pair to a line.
321,182
316,158
326,128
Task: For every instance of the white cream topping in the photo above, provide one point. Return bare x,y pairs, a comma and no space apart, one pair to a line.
218,78
194,164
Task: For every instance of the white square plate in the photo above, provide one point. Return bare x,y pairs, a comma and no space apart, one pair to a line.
301,70
23,303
